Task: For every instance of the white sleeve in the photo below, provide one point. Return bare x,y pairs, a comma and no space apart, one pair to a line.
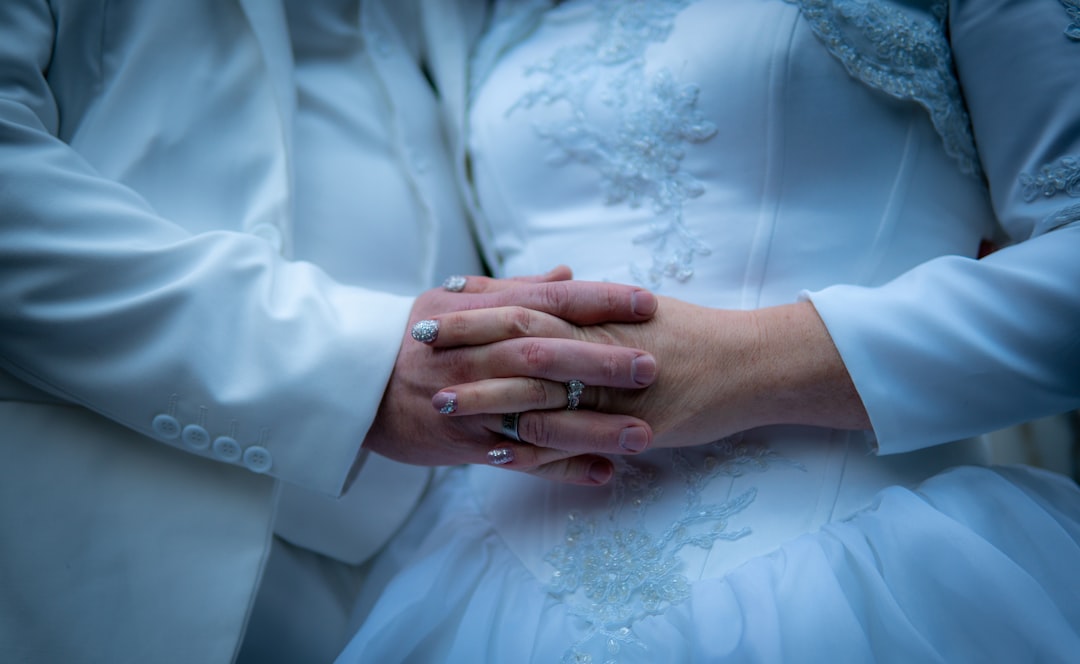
189,338
958,347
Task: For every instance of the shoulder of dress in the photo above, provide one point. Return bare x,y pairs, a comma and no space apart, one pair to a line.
901,49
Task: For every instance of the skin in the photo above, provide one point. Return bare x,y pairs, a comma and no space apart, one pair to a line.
553,446
723,371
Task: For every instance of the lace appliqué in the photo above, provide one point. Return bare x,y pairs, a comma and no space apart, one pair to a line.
903,55
1072,7
612,571
638,149
1063,216
1062,176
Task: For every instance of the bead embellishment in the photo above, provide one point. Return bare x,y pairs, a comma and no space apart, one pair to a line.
612,571
639,145
1060,177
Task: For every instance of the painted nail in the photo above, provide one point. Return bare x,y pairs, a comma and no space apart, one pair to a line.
643,369
455,283
643,303
445,402
425,331
633,439
600,472
500,456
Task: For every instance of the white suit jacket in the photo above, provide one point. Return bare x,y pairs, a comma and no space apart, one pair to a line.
161,359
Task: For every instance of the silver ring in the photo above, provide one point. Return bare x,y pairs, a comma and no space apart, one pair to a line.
574,388
455,283
510,426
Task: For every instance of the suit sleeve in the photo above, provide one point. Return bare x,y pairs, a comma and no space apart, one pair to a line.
208,341
958,347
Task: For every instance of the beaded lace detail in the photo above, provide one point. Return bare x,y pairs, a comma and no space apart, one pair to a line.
1062,176
1068,215
612,571
1073,9
638,150
903,55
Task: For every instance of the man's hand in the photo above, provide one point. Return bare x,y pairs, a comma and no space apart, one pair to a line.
557,444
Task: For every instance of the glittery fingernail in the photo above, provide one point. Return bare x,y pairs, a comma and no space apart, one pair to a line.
425,331
455,283
445,402
500,456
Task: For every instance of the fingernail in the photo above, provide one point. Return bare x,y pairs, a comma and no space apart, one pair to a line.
633,439
500,456
425,331
600,472
643,303
455,283
643,370
445,402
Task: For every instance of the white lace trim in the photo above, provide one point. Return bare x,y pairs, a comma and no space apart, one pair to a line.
902,54
1072,7
1060,177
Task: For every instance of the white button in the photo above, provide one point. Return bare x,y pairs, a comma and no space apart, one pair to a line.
195,437
166,426
257,459
227,449
270,233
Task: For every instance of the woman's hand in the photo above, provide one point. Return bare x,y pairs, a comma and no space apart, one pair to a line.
547,443
721,371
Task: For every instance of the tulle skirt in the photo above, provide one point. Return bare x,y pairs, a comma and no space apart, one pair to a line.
975,564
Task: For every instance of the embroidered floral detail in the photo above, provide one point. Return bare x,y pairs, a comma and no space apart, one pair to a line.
1062,176
1062,217
612,571
638,149
1072,7
903,55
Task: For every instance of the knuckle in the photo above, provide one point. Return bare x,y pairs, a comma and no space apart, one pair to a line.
612,367
532,427
536,392
518,322
536,357
556,298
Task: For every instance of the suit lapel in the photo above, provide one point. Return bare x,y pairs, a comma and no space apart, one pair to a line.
267,19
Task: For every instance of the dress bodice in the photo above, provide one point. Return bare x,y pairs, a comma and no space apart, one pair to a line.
720,152
715,151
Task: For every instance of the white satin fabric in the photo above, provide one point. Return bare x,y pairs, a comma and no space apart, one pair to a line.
721,152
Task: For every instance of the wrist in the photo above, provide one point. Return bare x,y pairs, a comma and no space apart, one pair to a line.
796,373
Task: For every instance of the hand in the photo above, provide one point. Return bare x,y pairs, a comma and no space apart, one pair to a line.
408,429
724,371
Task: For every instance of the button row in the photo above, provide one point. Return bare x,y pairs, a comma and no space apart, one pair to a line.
255,458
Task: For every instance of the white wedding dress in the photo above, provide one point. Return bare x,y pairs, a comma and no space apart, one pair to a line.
730,153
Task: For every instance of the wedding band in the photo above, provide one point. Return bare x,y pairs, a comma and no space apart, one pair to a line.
574,388
510,427
454,283
500,456
425,331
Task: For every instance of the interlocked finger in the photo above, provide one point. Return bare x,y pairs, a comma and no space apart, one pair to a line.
507,395
563,433
477,327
